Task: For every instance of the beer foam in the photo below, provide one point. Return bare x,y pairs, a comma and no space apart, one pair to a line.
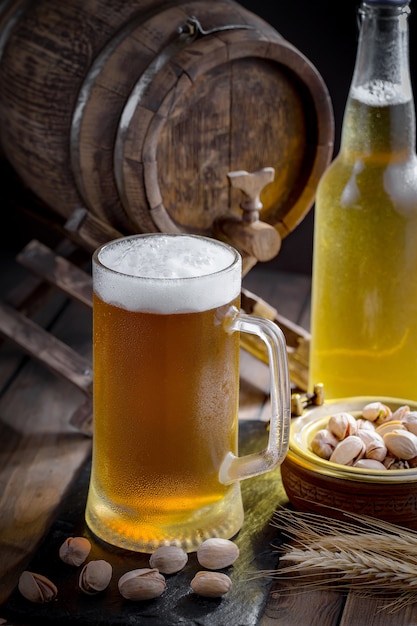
381,93
167,273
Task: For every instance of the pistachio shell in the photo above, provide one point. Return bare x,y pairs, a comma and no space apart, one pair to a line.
376,449
389,426
75,550
37,588
376,411
217,553
323,443
95,577
400,413
392,463
401,444
211,584
168,559
142,584
389,461
364,424
342,425
409,420
369,436
348,451
370,464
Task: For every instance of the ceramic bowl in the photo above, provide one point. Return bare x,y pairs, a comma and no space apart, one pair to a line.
316,485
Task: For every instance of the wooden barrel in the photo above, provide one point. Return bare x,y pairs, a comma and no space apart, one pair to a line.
137,110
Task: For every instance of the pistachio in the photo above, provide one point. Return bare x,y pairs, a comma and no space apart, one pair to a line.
142,584
376,411
217,553
376,449
95,577
364,424
348,451
389,461
336,442
168,559
400,413
401,444
409,420
37,588
392,463
370,464
211,584
342,425
368,436
75,550
323,443
389,426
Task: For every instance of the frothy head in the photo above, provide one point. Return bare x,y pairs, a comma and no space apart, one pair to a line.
166,273
379,93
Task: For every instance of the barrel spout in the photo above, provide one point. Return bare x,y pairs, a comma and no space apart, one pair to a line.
251,236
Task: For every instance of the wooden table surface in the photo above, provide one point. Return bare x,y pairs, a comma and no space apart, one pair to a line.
41,454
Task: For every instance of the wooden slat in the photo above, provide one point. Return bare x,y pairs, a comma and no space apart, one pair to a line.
369,611
46,348
314,608
297,338
57,271
254,305
82,417
88,230
30,292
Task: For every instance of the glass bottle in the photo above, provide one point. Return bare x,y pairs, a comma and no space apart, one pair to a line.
364,289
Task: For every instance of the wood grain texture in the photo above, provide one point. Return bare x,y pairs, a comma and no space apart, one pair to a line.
106,106
307,609
46,348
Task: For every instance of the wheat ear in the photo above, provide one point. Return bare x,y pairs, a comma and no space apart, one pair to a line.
352,552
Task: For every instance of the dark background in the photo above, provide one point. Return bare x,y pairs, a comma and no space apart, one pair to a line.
327,34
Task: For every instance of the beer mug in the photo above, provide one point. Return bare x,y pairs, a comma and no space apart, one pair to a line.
166,325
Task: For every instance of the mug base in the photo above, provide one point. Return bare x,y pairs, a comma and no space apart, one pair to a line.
132,531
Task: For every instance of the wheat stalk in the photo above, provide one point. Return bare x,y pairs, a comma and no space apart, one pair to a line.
355,552
355,566
368,534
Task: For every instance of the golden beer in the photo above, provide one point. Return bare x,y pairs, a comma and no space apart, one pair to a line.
166,392
364,310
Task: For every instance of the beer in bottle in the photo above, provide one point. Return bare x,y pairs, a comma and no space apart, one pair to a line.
364,288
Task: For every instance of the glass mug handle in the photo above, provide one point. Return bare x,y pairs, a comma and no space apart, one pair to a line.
236,468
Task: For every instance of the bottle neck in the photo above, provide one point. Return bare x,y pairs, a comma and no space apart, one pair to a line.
380,113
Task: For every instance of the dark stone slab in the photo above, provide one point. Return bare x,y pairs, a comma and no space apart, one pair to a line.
242,606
